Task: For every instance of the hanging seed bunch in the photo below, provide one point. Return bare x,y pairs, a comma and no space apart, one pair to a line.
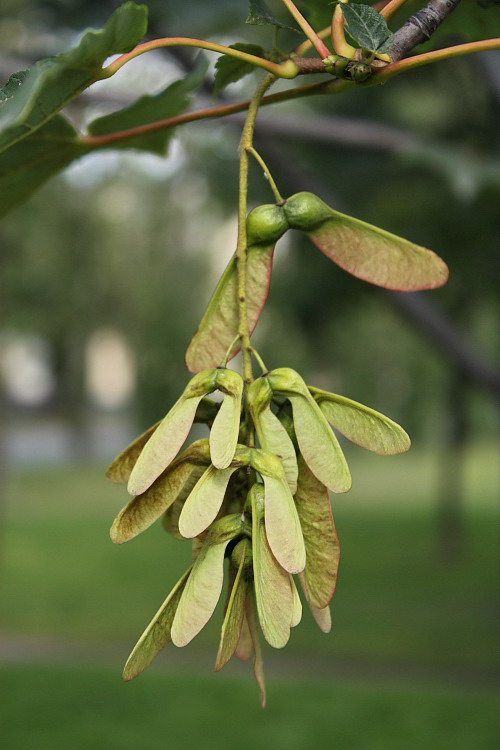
253,496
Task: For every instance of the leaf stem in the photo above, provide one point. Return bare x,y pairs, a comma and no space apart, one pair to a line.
287,69
260,361
340,45
102,141
258,158
308,30
307,45
388,10
229,350
384,74
336,86
241,248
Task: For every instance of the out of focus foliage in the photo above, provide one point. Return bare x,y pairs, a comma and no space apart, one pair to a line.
137,241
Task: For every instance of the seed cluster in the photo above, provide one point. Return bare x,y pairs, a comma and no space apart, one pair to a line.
255,493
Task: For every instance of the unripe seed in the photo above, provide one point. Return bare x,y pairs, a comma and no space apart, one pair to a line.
305,211
360,72
266,224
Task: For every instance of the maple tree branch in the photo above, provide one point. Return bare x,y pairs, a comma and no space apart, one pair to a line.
420,27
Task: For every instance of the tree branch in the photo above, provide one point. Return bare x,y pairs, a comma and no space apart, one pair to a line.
420,27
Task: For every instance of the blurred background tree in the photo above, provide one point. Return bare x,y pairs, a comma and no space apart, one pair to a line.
122,251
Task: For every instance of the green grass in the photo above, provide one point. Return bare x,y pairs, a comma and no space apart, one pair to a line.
89,709
62,576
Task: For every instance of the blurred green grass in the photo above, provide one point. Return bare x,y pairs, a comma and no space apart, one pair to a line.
409,664
63,577
89,709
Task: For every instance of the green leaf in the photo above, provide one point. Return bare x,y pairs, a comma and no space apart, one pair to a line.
225,429
320,537
364,250
258,662
317,442
233,618
169,436
367,27
158,633
205,501
362,425
31,98
273,437
119,471
260,15
322,616
173,101
175,483
219,325
29,163
204,586
229,69
273,592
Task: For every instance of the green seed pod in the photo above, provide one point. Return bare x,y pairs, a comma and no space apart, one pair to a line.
360,72
266,223
305,211
243,550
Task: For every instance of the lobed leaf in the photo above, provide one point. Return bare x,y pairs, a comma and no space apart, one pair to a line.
175,483
322,616
204,502
30,162
170,434
362,425
233,618
367,27
273,592
229,69
260,15
219,325
172,101
33,97
320,537
158,633
377,256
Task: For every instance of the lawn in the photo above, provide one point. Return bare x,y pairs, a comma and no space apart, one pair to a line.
89,709
410,662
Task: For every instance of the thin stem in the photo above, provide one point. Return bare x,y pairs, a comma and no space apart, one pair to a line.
101,141
429,57
325,88
307,45
260,361
287,69
267,172
229,350
340,45
388,10
241,247
308,30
